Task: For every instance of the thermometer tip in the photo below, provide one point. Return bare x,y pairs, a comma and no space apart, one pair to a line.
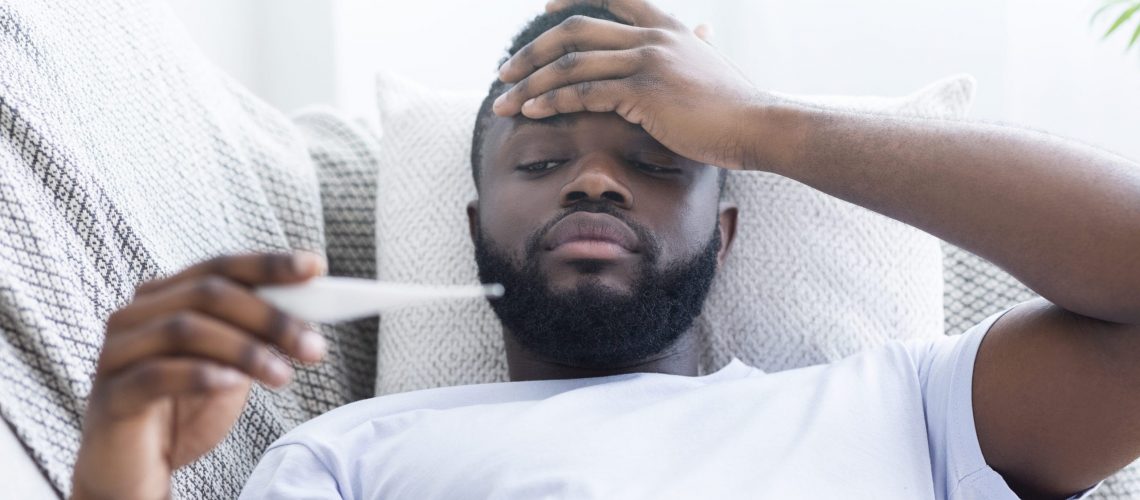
494,290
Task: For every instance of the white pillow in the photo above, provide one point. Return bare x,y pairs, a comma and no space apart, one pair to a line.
810,279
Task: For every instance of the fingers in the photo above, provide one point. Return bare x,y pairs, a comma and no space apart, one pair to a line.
252,269
226,302
595,96
639,12
133,390
575,34
572,68
580,55
188,336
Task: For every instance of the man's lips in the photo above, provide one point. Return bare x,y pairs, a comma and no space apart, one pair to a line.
587,235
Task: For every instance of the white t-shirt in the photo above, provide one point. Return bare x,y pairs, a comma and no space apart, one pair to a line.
895,422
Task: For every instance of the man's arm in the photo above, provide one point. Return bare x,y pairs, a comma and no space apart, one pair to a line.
1057,382
1057,399
1057,385
1062,217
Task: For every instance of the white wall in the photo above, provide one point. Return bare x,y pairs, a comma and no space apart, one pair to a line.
1061,78
284,50
1038,62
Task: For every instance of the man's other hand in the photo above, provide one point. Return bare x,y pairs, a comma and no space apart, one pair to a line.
656,73
176,369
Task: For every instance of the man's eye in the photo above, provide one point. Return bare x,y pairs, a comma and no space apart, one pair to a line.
654,169
542,166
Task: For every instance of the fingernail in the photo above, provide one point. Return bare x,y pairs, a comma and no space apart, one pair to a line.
277,371
529,104
308,262
311,346
228,377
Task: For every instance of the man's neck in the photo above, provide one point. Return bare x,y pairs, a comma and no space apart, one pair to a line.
680,359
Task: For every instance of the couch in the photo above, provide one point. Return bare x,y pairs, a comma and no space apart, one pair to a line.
125,155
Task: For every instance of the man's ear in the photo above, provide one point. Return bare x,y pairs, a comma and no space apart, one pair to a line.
473,219
727,221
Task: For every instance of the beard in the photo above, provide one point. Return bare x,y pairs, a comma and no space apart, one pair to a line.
593,326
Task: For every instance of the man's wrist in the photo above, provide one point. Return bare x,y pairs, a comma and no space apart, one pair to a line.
773,133
79,492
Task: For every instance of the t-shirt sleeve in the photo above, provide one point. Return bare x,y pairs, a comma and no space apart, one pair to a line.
946,375
290,471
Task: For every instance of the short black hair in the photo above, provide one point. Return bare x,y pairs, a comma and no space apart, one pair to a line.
536,27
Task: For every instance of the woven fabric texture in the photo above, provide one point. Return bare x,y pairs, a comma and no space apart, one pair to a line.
810,279
126,156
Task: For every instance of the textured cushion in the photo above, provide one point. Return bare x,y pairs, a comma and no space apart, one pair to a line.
126,156
810,279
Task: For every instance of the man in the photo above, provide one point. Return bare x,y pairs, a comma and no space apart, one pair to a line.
600,213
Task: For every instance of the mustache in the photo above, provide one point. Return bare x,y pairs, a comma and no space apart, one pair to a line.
650,241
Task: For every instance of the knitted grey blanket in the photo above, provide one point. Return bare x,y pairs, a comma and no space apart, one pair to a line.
125,156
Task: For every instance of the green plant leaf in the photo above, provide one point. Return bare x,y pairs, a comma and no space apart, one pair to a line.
1135,38
1124,17
1108,4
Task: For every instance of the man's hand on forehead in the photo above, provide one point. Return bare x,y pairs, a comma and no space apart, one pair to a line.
655,73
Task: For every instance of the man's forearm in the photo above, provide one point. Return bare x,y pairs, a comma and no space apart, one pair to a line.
1062,217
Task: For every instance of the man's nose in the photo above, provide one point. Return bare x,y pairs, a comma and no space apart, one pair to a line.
598,178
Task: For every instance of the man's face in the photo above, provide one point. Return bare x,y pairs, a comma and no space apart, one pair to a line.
534,172
589,216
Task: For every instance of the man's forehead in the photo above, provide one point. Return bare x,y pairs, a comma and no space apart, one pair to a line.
566,122
570,121
556,121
